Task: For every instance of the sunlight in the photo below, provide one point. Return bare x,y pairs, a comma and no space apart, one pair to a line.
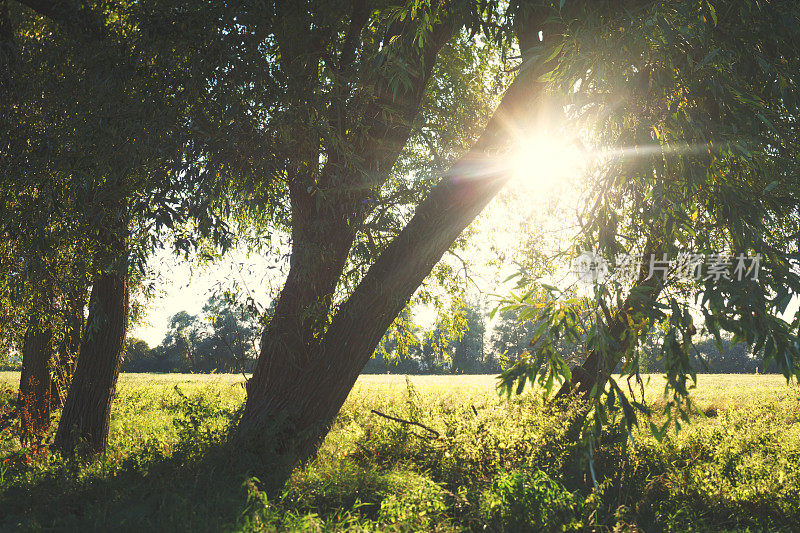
543,163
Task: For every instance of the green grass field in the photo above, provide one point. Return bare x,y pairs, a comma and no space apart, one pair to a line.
497,465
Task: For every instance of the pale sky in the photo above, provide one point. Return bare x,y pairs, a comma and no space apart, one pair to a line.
547,201
187,287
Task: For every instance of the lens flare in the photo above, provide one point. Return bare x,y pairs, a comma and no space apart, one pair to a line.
543,163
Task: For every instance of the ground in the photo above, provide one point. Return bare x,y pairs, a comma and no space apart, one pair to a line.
497,464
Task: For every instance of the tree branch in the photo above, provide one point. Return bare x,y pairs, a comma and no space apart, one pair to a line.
407,422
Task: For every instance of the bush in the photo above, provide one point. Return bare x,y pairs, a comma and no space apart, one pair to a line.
414,503
529,501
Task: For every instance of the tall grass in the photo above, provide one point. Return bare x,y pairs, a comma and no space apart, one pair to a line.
497,464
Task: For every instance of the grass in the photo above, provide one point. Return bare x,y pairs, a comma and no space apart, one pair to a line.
498,464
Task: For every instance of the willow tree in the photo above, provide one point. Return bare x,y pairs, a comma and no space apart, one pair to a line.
92,165
42,297
693,111
350,92
316,115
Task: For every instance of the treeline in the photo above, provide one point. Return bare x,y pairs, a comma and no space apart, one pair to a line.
224,339
729,358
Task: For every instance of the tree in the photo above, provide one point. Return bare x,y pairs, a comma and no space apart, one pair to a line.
38,289
109,118
230,344
707,136
189,346
311,354
512,337
35,380
318,122
399,350
468,349
139,357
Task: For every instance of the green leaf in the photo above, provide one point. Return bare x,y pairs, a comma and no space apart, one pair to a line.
712,11
550,288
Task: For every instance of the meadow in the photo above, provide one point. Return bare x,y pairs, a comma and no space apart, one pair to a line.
477,461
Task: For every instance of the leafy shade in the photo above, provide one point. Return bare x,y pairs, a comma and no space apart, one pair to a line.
691,111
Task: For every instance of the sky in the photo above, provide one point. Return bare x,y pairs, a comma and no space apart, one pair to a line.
546,202
183,286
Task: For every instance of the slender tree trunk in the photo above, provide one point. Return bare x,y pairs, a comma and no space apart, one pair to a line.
86,417
34,387
597,367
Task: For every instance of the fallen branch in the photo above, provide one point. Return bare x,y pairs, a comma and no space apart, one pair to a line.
408,422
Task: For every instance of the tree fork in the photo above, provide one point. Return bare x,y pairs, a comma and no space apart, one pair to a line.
300,405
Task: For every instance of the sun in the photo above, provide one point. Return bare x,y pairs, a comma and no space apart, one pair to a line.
543,163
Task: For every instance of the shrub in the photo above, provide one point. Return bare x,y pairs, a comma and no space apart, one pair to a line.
414,502
529,501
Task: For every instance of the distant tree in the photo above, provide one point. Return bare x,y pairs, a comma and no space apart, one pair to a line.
511,338
139,357
399,351
230,345
468,348
179,345
434,354
222,340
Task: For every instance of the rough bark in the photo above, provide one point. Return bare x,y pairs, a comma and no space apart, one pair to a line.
86,417
323,233
34,387
293,408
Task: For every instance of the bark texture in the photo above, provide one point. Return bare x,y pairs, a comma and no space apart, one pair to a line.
86,417
292,402
34,387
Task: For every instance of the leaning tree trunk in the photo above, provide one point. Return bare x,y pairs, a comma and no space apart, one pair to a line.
594,371
597,367
290,410
34,387
86,417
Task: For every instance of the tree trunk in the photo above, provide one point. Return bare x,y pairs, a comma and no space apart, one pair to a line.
86,417
34,387
291,407
598,366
